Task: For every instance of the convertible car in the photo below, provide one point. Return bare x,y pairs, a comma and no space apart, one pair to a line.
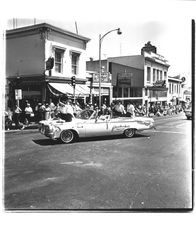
88,124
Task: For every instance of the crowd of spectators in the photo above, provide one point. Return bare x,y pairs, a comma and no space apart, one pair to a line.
67,109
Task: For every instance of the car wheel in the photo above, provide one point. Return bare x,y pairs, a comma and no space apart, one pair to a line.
129,132
67,136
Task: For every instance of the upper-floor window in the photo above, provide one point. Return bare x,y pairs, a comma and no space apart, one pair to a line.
170,88
75,63
161,75
148,74
154,75
165,75
175,88
158,75
59,60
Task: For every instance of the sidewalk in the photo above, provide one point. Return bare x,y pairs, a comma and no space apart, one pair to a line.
33,126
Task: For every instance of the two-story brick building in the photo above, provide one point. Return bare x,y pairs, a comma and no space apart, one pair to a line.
40,61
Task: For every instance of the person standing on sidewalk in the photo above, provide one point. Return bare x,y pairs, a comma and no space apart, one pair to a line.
16,116
28,113
47,112
52,109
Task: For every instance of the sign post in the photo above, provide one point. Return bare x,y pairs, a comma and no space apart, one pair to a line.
18,95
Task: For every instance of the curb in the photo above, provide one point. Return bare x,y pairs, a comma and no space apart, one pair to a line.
33,128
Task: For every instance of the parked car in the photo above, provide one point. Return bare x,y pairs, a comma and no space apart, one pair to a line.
188,112
88,124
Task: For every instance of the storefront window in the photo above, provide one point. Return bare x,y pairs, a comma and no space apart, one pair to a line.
125,92
115,93
119,92
136,92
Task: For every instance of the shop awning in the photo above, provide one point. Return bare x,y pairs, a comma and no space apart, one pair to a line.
67,89
82,89
64,88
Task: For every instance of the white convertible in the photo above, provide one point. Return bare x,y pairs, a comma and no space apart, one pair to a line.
88,124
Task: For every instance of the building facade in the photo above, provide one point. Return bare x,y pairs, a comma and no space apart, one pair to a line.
142,79
187,95
176,90
40,61
92,68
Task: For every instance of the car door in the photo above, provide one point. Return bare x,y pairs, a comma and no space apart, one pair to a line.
97,127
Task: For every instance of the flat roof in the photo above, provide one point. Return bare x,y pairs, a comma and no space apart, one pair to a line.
47,26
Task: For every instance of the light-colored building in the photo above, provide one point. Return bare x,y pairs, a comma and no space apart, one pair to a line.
155,76
176,90
40,61
142,79
187,95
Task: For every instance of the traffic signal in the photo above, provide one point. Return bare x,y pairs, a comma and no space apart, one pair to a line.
50,63
73,80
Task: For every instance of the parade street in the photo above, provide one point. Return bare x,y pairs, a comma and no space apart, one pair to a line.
152,170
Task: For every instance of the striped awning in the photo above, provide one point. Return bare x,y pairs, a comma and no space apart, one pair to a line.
63,88
67,89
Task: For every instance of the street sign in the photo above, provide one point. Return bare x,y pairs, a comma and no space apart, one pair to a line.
124,78
18,94
105,77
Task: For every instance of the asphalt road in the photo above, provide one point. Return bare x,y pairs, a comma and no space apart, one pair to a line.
153,170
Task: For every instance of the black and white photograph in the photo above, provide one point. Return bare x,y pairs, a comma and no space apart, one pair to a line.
98,113
106,132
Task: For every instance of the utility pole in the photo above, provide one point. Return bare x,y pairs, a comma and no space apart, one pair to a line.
76,28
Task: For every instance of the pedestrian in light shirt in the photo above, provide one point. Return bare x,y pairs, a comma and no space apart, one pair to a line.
52,109
16,116
28,113
130,110
119,109
47,112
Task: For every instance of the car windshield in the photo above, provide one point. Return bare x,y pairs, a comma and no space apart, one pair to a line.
85,114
